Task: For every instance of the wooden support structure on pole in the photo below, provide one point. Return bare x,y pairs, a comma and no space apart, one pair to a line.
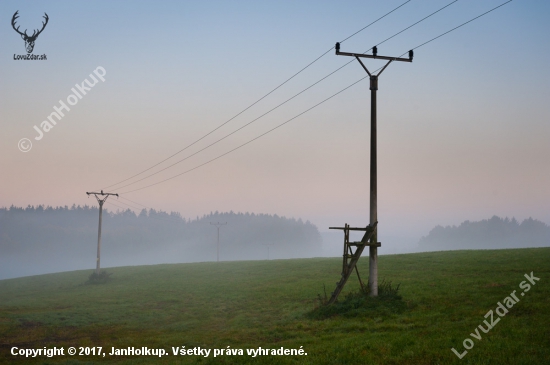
350,257
100,201
373,221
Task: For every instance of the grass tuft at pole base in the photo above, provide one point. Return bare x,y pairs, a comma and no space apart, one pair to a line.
101,278
360,303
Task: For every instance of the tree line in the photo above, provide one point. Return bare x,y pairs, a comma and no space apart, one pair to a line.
48,239
490,233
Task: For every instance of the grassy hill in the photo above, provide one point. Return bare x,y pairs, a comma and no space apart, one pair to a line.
246,305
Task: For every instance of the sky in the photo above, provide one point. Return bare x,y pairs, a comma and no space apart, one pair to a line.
463,130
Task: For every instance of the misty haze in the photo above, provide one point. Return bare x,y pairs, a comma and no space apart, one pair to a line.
274,182
38,240
45,239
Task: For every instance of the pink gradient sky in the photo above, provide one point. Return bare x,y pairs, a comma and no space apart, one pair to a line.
463,130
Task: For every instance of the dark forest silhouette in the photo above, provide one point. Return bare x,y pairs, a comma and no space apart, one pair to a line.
42,239
488,234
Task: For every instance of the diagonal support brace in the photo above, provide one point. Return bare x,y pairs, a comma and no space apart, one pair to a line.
351,258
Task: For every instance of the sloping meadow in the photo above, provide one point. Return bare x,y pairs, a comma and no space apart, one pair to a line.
260,312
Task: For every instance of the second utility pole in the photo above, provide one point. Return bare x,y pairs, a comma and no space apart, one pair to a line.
100,201
218,246
373,249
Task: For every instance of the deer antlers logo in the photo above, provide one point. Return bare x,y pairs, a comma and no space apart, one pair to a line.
29,40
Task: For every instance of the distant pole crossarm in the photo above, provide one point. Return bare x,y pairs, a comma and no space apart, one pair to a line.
101,200
373,236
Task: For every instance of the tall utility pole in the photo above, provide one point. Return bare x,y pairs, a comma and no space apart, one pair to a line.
218,224
100,201
373,249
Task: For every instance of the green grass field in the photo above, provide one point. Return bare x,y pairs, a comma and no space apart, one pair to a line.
246,305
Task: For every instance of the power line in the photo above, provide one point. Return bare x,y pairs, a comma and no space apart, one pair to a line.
118,206
307,110
278,106
260,99
455,28
136,203
252,140
410,26
235,131
131,206
362,29
471,20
